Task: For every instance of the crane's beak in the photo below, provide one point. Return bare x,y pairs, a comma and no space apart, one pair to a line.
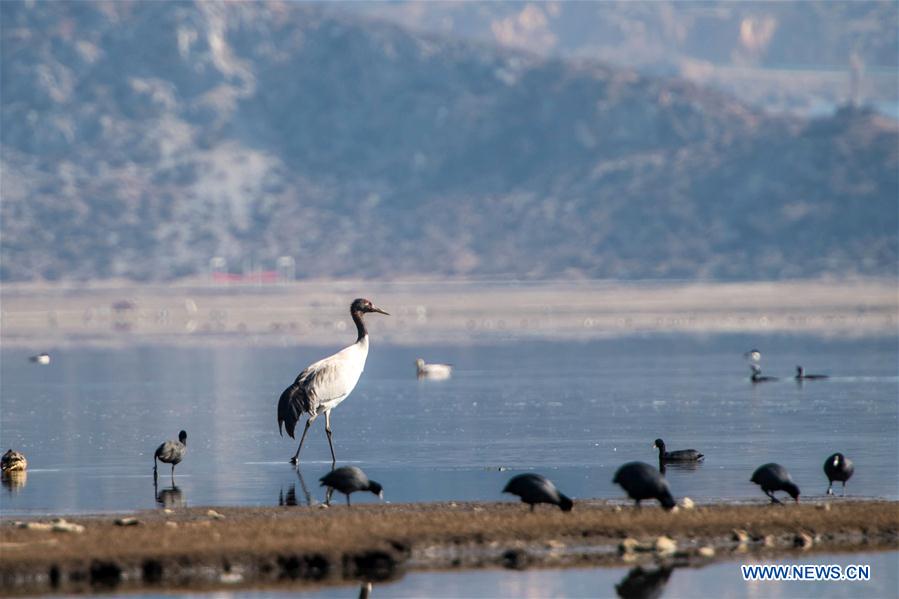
379,311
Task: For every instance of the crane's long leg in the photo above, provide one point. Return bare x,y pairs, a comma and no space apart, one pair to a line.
773,498
154,470
296,456
330,444
844,488
830,488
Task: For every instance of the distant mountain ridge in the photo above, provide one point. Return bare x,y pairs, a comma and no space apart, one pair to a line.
142,139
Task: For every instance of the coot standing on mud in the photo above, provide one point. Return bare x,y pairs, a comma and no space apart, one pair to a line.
534,489
642,481
349,479
838,467
774,477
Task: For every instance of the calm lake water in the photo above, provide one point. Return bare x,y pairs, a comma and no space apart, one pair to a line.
90,421
723,579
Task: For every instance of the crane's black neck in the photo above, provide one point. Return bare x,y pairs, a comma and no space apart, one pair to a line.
360,325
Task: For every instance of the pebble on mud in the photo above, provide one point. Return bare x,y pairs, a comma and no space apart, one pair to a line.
215,515
665,545
61,525
803,540
687,503
628,545
127,521
171,524
35,525
554,544
739,535
708,551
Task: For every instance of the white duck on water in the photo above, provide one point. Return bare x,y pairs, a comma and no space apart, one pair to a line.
324,384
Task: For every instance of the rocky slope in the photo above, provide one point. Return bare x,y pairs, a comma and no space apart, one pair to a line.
143,139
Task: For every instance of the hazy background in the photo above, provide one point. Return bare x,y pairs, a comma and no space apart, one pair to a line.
723,141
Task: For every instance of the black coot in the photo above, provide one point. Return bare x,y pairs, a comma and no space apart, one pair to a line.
680,455
349,479
534,489
802,376
757,376
774,477
642,481
838,467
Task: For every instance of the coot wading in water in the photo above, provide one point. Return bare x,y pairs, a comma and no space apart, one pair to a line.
679,455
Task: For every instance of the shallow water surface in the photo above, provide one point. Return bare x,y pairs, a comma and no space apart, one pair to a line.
722,579
90,421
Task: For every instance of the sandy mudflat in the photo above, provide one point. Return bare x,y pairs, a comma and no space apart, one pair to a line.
193,548
315,312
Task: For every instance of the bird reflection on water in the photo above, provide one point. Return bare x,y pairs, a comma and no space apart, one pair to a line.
15,481
169,497
643,583
290,497
681,466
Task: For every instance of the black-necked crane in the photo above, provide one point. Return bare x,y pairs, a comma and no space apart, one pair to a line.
324,384
171,452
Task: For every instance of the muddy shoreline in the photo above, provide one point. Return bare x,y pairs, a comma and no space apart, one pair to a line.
463,312
199,548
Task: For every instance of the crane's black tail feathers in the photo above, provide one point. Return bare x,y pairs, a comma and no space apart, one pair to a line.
290,409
